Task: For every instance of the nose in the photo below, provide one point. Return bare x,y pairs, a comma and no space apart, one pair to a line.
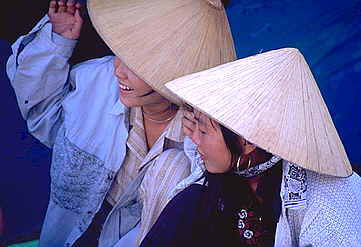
195,136
120,73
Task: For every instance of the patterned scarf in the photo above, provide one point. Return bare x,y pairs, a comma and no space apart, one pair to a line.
295,181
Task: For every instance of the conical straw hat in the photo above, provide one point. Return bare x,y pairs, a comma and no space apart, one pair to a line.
272,100
161,40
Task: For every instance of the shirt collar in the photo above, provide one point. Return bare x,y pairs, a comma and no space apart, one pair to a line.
174,129
172,137
137,134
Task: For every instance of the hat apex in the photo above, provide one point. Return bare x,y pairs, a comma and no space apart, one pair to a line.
272,100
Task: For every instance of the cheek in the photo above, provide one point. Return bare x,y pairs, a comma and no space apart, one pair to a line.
217,149
138,83
207,146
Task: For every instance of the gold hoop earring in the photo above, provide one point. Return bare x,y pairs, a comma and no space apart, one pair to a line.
249,162
239,159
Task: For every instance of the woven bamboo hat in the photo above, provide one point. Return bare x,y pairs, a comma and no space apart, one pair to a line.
272,100
161,40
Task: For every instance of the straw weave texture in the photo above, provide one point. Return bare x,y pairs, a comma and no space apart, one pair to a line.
161,40
273,101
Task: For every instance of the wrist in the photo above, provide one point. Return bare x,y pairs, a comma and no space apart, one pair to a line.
60,40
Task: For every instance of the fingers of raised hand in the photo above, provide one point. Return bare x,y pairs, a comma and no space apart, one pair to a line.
188,126
72,6
78,22
65,18
215,126
61,6
52,8
189,115
187,131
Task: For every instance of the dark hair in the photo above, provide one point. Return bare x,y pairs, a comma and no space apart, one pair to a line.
225,3
232,142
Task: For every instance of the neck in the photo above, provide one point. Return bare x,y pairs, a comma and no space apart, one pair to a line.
159,112
257,156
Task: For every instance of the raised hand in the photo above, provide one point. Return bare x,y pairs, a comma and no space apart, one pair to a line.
65,18
189,121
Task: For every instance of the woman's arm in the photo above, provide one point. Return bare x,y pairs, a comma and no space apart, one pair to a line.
38,70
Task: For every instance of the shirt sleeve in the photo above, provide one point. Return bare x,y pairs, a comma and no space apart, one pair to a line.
38,70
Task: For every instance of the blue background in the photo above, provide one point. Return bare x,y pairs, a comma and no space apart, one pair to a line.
326,32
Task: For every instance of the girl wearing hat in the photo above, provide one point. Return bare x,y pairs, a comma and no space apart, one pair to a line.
269,168
114,129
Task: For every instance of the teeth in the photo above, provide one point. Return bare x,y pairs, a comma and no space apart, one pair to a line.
122,86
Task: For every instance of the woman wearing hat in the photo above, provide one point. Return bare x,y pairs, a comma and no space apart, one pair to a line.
114,129
269,168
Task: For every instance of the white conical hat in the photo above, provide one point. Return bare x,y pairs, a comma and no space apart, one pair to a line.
161,40
272,100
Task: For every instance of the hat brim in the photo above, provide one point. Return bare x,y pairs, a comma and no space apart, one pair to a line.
162,40
272,100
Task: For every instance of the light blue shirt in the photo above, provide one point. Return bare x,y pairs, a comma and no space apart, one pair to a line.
75,111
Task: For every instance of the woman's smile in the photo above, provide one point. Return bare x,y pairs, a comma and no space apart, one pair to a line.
124,87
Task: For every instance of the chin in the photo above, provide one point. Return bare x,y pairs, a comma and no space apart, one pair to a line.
134,102
127,103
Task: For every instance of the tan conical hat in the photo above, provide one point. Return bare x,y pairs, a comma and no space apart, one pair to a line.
161,40
272,100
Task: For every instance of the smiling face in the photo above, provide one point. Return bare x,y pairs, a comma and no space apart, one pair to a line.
134,91
208,136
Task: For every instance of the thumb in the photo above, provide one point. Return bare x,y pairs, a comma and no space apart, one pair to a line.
78,22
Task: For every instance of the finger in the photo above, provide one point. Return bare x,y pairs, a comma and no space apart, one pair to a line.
78,5
208,123
187,131
189,124
52,8
78,23
61,7
214,124
80,8
187,107
70,7
189,115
